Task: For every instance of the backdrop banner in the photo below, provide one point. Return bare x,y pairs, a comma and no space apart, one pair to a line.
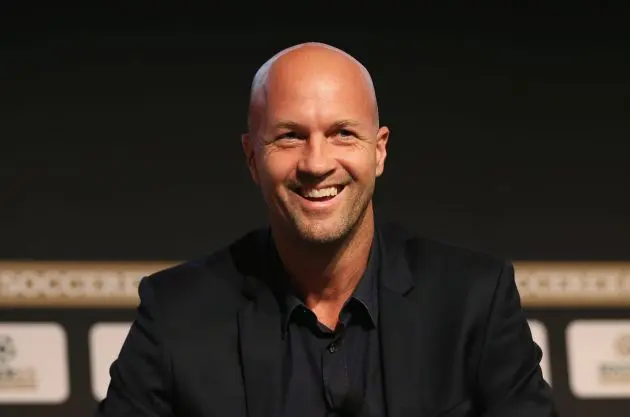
63,323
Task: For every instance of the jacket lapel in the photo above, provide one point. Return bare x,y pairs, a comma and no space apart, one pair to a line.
260,335
400,330
261,355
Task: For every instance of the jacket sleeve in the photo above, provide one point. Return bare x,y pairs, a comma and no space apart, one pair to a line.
140,384
509,378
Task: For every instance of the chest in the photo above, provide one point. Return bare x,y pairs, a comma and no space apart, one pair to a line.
218,369
327,372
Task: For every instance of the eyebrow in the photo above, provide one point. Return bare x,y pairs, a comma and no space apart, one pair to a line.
287,124
346,123
339,124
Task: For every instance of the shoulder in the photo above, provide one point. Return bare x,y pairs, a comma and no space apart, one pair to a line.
212,282
460,285
417,246
449,264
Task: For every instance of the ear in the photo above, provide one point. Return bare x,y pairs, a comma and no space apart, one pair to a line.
382,136
250,155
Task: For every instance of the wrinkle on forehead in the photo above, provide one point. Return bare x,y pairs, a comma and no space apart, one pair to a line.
260,85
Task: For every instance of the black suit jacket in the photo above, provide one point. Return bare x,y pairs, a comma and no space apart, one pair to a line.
207,338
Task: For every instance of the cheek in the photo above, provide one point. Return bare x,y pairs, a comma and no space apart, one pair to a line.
275,169
360,165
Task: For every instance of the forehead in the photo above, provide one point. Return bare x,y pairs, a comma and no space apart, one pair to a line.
312,94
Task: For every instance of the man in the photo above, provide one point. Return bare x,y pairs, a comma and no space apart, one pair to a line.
327,313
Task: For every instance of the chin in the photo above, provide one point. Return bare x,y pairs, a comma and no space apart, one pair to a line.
321,229
321,233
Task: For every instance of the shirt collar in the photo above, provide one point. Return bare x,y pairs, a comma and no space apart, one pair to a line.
366,292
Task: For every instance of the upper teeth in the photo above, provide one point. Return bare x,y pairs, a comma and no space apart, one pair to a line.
322,192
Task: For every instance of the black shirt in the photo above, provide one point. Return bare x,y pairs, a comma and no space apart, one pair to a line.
334,372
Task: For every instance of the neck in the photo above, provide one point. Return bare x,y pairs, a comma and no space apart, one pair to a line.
327,273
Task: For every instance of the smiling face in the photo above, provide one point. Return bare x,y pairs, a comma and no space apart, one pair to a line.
314,146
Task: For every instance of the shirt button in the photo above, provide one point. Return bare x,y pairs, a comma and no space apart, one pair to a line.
332,348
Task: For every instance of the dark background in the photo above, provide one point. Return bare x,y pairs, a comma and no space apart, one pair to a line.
120,128
119,133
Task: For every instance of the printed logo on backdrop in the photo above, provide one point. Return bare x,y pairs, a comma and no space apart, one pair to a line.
33,363
617,372
105,340
115,284
599,358
573,283
539,334
623,345
73,284
12,377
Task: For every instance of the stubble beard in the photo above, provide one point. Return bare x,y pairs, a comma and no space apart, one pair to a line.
332,229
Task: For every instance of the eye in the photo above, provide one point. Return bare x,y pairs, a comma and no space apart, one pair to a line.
288,135
345,133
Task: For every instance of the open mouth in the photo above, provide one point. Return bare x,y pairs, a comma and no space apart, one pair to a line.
320,194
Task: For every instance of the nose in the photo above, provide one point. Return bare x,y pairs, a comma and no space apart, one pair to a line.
317,160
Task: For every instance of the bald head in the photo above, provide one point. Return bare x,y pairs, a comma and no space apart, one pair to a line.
313,129
305,68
